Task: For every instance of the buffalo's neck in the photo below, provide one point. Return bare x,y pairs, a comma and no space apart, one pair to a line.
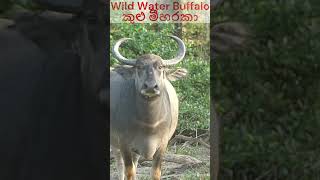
151,111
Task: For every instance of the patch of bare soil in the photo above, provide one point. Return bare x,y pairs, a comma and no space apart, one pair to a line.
182,161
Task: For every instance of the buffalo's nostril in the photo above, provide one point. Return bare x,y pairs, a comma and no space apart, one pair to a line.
150,85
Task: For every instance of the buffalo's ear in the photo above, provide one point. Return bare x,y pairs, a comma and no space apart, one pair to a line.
177,74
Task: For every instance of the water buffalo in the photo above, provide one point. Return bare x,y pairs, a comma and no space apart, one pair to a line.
143,109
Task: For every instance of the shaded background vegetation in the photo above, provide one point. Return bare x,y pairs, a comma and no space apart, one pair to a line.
7,7
268,97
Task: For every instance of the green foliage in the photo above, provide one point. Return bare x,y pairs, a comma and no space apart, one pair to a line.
194,95
190,175
5,5
11,7
193,91
269,99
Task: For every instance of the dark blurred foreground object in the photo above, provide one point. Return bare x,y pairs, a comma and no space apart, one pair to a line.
63,5
226,38
52,117
215,3
229,37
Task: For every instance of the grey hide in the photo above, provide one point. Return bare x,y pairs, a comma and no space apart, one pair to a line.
144,111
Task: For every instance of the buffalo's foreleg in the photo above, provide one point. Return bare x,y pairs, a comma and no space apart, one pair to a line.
135,160
156,163
130,169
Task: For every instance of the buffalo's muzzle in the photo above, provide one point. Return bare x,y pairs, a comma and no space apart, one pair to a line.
150,92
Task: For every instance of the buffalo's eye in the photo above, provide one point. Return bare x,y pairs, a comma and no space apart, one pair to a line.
160,67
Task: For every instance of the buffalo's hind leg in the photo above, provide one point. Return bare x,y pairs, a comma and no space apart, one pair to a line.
119,162
156,163
135,160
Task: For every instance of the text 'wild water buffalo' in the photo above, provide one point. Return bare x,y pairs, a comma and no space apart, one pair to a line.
144,109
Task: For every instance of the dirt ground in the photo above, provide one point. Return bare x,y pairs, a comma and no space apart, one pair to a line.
182,161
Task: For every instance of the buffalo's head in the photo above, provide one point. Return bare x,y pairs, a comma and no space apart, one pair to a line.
151,70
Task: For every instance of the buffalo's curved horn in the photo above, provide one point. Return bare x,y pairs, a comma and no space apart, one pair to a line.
118,56
180,54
